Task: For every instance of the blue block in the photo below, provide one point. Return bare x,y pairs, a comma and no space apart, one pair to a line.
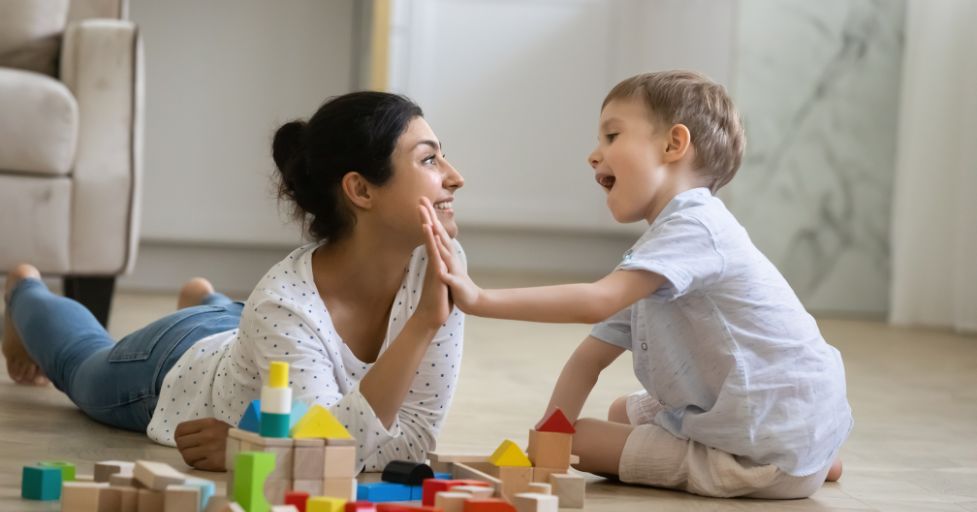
416,493
251,420
380,492
41,483
298,410
207,489
443,476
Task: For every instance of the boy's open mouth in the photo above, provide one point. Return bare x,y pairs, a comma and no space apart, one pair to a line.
606,181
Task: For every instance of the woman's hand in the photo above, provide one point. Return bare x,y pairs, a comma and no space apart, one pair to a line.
202,443
443,261
435,303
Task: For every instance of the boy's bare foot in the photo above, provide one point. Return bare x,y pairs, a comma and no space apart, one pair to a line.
194,292
835,472
21,368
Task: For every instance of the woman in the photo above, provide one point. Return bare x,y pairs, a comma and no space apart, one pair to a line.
367,330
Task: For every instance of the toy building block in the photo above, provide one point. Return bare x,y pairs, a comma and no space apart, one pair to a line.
509,454
379,492
299,408
340,462
344,488
149,501
276,489
251,419
540,488
476,491
555,421
324,504
157,475
127,498
308,459
319,423
441,462
284,508
512,479
534,502
488,505
310,487
120,480
416,493
400,507
451,501
81,496
207,489
432,486
570,489
297,499
181,498
446,475
40,483
360,506
219,503
107,468
276,402
251,469
67,469
468,473
550,449
406,472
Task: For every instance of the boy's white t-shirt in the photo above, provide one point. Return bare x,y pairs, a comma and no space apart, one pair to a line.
285,319
727,347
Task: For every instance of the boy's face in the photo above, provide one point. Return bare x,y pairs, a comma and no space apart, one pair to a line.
628,160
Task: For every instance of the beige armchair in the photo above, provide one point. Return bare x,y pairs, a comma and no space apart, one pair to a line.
71,88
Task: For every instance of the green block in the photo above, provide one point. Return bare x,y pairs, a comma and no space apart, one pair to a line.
274,425
251,469
41,483
67,469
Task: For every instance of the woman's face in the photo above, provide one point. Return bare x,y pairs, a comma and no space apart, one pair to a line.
419,170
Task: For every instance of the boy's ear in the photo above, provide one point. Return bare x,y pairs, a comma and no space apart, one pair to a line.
357,190
679,141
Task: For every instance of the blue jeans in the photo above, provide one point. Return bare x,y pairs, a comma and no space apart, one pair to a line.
114,383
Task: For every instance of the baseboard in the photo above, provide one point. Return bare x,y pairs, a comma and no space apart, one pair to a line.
164,265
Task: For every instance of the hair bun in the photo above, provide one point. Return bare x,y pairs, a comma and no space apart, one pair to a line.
289,143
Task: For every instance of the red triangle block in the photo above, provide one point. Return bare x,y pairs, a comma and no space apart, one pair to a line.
555,421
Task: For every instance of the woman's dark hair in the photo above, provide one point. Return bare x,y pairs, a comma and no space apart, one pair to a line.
353,132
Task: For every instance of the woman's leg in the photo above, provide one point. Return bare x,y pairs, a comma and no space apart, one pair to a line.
20,366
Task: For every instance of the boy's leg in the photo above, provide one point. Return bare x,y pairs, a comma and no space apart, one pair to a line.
638,408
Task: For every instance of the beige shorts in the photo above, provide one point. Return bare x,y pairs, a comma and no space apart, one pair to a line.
653,456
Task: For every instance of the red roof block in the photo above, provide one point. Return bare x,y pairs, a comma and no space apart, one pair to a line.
555,421
488,505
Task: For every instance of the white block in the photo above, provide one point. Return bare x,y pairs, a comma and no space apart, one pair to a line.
535,502
276,400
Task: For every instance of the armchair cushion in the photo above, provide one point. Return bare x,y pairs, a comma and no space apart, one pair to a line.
30,34
38,124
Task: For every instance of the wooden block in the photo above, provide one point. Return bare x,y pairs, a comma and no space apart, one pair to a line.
181,498
464,458
541,474
156,475
81,496
275,490
515,480
451,501
120,480
406,472
570,489
340,462
284,508
308,462
207,489
325,504
107,468
217,504
264,442
540,487
462,471
67,468
509,454
534,502
110,499
151,501
319,423
251,470
488,505
555,421
344,488
128,497
550,449
475,491
284,461
313,487
40,483
340,441
231,449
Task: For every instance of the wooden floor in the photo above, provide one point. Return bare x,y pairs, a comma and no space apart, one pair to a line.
913,392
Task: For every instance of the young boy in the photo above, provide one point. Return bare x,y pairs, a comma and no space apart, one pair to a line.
742,396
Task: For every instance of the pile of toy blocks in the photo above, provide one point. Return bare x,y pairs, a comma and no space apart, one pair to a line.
117,486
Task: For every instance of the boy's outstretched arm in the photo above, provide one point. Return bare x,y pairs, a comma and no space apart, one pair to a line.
580,374
569,303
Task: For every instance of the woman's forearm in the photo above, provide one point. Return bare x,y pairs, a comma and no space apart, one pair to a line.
386,384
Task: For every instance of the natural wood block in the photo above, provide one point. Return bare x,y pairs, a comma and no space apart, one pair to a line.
340,462
344,488
534,502
181,498
275,489
540,487
217,503
284,460
475,491
151,501
463,471
156,475
231,449
570,489
550,449
308,462
512,479
81,496
451,501
120,480
313,487
107,468
541,474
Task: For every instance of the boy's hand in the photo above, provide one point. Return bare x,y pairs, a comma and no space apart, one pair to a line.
464,292
202,443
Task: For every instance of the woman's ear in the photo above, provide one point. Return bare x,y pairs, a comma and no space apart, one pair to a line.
358,190
679,141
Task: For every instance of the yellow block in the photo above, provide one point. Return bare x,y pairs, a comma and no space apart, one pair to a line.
325,504
509,454
279,375
319,423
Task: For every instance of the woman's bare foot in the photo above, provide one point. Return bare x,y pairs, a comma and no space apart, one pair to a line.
21,368
194,292
835,472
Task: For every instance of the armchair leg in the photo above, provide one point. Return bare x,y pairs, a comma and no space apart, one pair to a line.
95,293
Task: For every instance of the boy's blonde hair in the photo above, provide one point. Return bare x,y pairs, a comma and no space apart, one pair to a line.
692,99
